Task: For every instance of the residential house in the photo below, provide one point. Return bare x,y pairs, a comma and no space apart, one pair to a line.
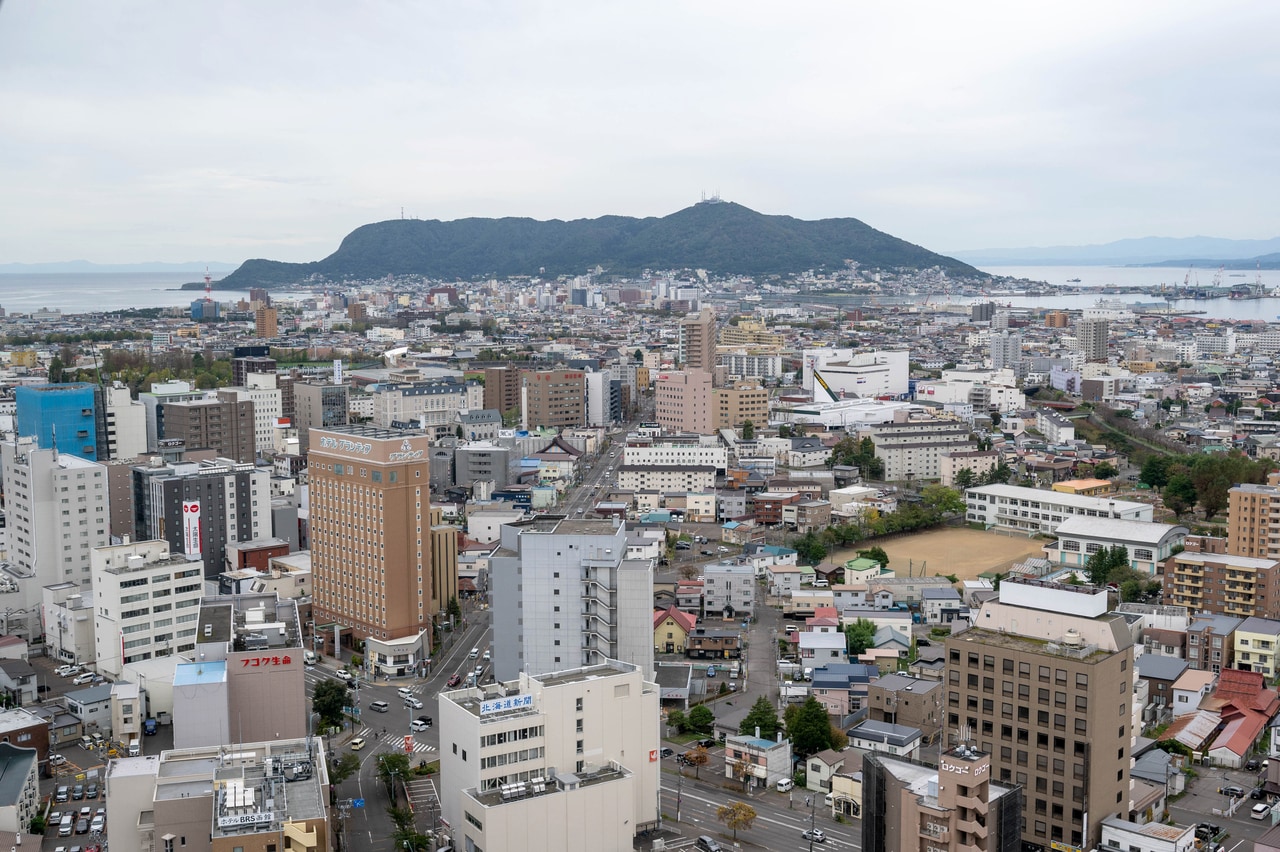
756,762
1190,689
842,689
1211,641
671,629
18,682
707,644
821,648
885,737
783,579
1256,644
818,769
846,792
1160,673
689,595
941,605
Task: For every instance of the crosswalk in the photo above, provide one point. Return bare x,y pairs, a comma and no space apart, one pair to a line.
396,741
317,675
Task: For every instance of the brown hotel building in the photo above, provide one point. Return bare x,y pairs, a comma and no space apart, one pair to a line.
382,564
1044,684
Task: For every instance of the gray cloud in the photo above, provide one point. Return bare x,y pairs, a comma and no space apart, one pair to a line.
146,130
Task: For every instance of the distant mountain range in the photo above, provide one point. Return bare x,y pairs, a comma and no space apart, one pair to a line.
84,267
1147,251
721,237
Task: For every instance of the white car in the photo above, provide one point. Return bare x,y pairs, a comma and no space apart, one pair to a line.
410,701
66,671
81,679
342,674
487,655
417,726
404,691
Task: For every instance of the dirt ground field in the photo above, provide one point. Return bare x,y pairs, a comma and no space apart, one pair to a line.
955,550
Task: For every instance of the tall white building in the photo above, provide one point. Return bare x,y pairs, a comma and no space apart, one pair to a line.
146,601
679,454
126,424
57,511
1006,349
598,388
854,373
261,390
565,595
564,761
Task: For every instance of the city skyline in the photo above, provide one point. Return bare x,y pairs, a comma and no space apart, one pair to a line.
147,132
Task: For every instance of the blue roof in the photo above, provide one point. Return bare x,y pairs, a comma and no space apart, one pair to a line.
195,674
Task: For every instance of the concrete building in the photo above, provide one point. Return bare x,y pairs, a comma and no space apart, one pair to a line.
756,763
502,390
1238,586
145,603
914,450
1257,642
683,402
1032,684
259,796
265,323
67,612
956,806
56,512
429,404
126,423
226,427
19,788
199,507
1148,544
1014,507
698,341
744,402
977,462
598,388
1006,350
1250,507
666,478
728,589
676,454
565,595
902,700
1091,335
564,761
248,656
383,565
553,399
1123,834
254,360
481,461
857,373
266,399
153,402
318,406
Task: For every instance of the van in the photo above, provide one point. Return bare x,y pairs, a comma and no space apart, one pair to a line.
86,742
65,827
150,727
63,794
1260,811
785,784
380,707
135,748
309,658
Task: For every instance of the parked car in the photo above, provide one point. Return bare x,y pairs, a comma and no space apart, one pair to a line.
711,671
1206,830
91,792
55,759
82,679
1260,811
77,792
1252,764
454,680
1258,793
708,553
1232,791
722,549
733,687
707,844
82,826
708,743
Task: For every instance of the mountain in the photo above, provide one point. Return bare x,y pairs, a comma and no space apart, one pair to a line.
84,267
1144,251
721,237
1265,261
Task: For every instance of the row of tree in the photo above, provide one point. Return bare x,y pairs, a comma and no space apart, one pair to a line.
1205,480
937,504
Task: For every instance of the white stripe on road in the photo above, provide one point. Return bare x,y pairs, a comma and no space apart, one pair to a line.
798,827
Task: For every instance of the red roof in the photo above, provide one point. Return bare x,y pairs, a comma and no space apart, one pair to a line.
826,612
687,620
1245,691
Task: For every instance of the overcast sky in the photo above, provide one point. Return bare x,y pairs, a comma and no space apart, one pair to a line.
162,131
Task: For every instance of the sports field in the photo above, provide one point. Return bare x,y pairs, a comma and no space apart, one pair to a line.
954,550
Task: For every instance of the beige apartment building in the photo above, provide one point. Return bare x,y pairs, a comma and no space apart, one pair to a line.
698,341
683,402
749,333
1044,687
1222,583
745,401
381,566
554,399
955,806
222,425
565,761
1253,522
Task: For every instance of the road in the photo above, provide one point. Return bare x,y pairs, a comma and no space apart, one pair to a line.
600,473
778,825
370,827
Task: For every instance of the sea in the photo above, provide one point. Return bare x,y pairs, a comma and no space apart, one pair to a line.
110,291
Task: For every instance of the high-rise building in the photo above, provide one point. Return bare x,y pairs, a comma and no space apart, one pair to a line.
199,508
65,414
222,425
146,599
56,513
1092,334
502,389
243,365
1204,578
1006,350
265,325
153,401
1249,517
265,396
1045,687
954,806
382,563
564,595
1056,319
698,341
600,398
553,399
982,311
684,402
745,401
126,423
318,406
563,761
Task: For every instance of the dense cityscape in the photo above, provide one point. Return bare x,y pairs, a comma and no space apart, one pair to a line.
303,566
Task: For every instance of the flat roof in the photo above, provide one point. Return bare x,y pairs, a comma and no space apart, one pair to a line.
205,672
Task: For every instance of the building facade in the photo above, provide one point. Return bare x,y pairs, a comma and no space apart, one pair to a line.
1015,507
698,341
1238,586
683,402
502,389
227,427
553,399
318,406
1250,507
64,414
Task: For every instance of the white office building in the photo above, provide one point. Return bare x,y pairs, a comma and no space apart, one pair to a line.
146,601
681,455
1013,507
126,423
57,511
598,391
565,761
855,373
261,390
565,595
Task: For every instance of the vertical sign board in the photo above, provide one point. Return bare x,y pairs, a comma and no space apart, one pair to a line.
408,744
191,527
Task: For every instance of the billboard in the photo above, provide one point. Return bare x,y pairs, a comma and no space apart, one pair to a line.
191,527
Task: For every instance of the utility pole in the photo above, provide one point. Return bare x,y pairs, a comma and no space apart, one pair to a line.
811,801
679,788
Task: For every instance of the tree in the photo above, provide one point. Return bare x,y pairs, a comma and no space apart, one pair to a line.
1000,474
676,719
697,757
343,768
784,430
458,432
639,355
748,430
1155,471
762,716
810,731
701,719
736,815
964,479
877,554
1103,565
809,548
393,766
860,635
1180,494
454,609
946,500
328,699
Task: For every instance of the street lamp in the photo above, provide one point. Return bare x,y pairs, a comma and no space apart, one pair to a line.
811,801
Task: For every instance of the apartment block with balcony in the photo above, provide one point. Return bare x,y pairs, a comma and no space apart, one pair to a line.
1238,586
1253,521
1256,643
1211,642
